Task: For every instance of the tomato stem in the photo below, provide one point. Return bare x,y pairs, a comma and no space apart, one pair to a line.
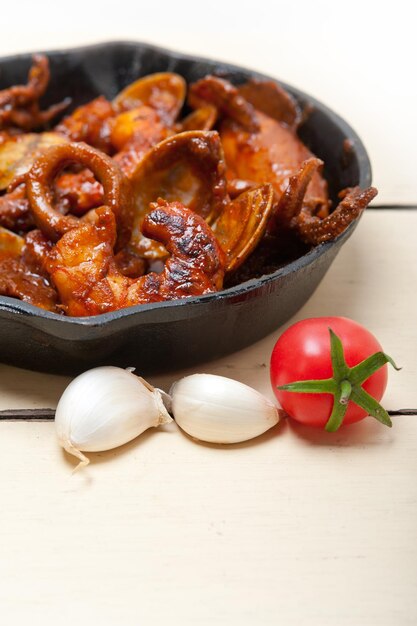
337,354
346,385
338,412
345,391
326,385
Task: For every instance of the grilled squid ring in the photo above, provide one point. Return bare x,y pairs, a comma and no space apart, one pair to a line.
40,178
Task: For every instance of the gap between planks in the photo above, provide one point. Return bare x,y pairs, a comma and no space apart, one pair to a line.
46,415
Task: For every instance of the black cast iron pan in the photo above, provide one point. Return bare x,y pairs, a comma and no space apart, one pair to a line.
170,335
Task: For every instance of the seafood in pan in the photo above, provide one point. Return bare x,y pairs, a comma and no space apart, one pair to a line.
130,201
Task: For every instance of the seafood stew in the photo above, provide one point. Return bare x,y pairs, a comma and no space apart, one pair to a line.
166,191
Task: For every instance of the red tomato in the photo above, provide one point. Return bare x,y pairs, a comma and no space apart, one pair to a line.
303,353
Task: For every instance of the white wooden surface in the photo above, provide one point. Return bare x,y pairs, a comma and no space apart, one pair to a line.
296,528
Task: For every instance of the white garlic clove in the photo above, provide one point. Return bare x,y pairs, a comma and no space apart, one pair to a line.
104,408
221,410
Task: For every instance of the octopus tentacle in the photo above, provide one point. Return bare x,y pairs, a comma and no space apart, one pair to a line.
38,79
292,200
19,105
314,230
189,241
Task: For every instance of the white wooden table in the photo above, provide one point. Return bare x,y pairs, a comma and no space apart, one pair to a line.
298,527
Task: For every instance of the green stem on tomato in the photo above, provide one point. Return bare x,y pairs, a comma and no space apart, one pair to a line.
346,385
345,391
338,412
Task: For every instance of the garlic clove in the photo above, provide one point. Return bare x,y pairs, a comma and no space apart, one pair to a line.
104,408
221,410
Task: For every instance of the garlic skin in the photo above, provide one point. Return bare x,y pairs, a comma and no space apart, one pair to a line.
106,407
221,410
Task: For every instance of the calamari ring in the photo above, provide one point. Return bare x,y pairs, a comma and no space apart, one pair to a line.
41,176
